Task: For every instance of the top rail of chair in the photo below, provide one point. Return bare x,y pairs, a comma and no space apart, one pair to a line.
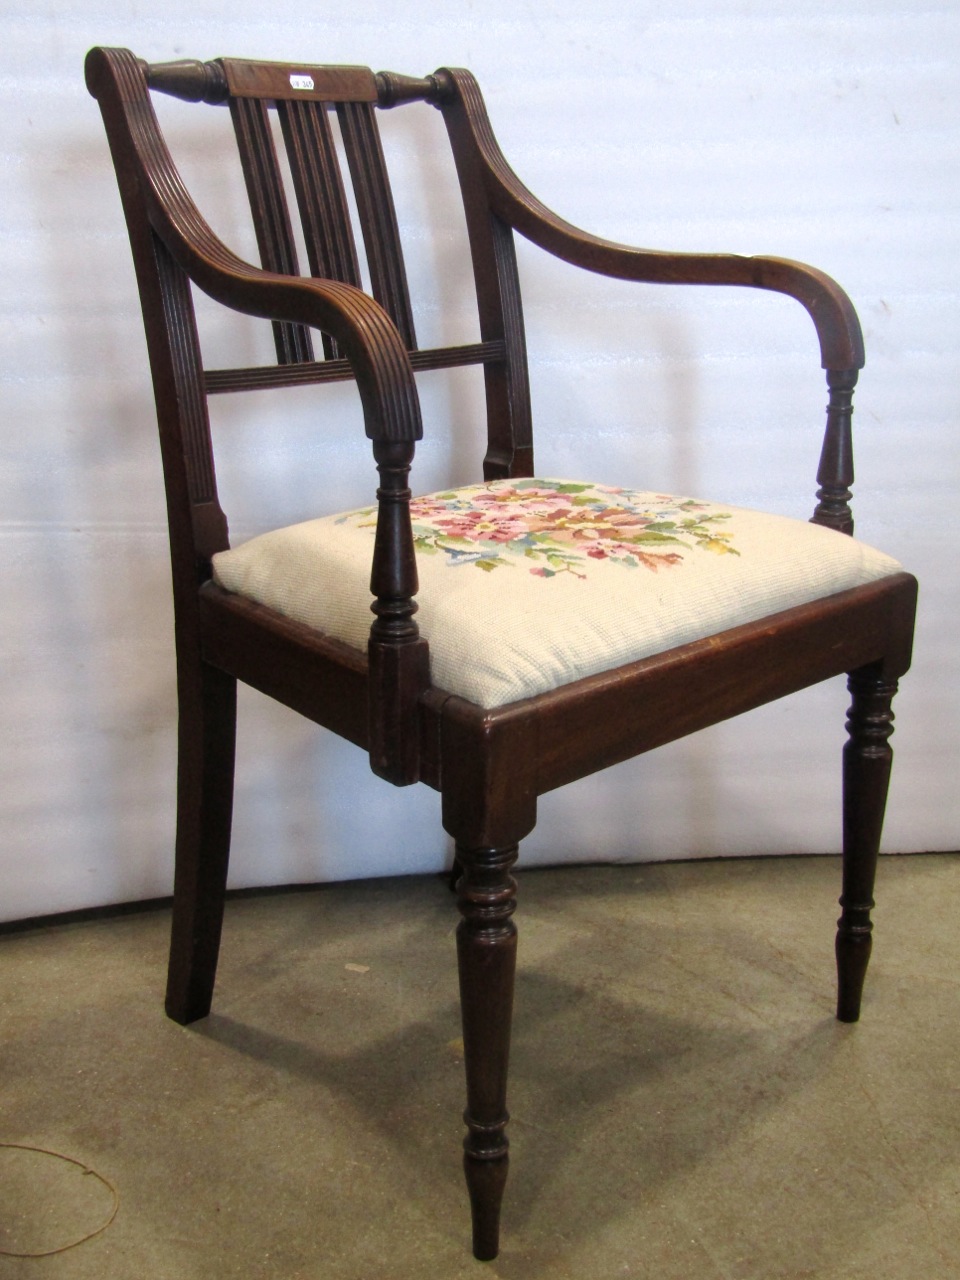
223,78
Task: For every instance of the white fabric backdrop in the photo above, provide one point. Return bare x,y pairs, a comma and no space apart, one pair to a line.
788,128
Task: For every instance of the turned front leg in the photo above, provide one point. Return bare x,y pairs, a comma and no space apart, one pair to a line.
487,952
867,758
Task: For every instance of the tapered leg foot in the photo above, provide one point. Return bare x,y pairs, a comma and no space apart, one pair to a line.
486,1180
853,956
207,738
867,758
486,951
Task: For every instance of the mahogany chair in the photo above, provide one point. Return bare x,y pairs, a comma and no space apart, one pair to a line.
565,625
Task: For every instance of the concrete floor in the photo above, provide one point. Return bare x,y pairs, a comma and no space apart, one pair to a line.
684,1104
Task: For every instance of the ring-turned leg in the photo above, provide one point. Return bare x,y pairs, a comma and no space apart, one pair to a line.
207,741
867,757
486,951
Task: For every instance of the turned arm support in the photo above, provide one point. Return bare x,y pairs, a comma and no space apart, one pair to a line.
399,660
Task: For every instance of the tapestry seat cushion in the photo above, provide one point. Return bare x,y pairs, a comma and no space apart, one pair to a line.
527,585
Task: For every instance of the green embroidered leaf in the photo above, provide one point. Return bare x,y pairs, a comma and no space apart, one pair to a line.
649,535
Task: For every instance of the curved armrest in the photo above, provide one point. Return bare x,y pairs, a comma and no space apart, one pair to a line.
833,315
368,336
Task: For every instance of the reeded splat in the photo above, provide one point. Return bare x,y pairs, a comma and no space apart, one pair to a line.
378,218
867,758
271,217
321,199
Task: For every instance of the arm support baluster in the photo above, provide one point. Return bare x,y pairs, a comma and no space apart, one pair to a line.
399,658
835,474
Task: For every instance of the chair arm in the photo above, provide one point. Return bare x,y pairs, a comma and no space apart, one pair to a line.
365,332
359,324
152,190
833,315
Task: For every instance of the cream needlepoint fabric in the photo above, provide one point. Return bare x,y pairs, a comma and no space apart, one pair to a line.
526,585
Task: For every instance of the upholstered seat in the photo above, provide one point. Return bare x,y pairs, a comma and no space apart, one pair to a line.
526,585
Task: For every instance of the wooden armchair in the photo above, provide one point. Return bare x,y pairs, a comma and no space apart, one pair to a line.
564,625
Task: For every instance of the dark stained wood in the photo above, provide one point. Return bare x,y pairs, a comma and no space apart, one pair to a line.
217,381
215,81
271,217
490,766
318,183
836,322
487,958
321,199
279,81
207,736
489,804
835,474
619,714
378,217
324,679
189,79
867,758
394,89
399,659
509,423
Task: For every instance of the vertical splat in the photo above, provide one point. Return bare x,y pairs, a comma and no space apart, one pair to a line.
378,218
321,199
271,218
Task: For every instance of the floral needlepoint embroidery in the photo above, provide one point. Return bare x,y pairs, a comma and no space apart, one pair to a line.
554,527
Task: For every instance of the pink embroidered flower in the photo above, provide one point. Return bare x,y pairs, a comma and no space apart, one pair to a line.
557,523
